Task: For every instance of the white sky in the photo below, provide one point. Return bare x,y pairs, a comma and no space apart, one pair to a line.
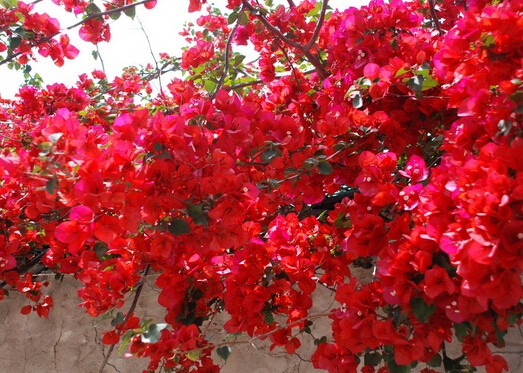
128,45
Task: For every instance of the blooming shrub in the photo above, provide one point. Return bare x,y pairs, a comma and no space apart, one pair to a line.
387,138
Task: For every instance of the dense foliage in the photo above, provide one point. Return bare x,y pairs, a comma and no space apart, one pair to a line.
385,139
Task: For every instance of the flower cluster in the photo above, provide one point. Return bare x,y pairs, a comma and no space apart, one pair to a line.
390,175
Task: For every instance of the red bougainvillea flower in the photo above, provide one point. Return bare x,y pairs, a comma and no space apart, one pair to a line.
75,232
150,4
95,31
415,170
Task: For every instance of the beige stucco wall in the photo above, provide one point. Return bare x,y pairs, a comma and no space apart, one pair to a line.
69,340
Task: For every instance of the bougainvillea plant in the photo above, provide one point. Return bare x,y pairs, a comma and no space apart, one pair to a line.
385,139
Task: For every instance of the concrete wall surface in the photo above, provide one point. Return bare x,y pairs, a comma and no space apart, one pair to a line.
69,341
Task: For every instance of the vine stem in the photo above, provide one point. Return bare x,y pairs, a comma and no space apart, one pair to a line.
128,316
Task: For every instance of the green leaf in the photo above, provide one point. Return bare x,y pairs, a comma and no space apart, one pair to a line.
179,226
209,85
324,167
238,59
92,9
268,317
394,44
321,340
423,72
197,214
512,318
126,339
115,15
194,355
45,148
435,361
130,12
95,55
269,154
224,352
50,185
372,358
416,83
357,101
243,18
310,163
152,335
316,10
422,310
488,40
429,83
461,330
15,42
9,4
349,91
55,137
118,319
22,33
363,82
401,72
500,334
232,18
100,249
395,368
504,127
158,147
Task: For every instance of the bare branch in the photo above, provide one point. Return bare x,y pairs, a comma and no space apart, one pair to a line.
128,316
260,337
248,84
153,56
101,59
108,12
316,32
269,26
286,55
434,16
320,69
226,63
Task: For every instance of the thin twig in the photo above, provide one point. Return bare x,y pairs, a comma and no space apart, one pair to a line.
153,56
242,85
269,26
433,15
285,54
320,69
316,32
258,337
108,12
227,50
128,316
248,84
101,59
